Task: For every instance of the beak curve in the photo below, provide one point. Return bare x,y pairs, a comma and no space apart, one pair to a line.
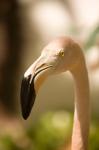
28,92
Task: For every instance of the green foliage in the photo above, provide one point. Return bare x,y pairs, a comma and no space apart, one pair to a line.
94,136
92,38
52,131
7,143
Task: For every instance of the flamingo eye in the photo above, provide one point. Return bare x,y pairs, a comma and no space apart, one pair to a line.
61,53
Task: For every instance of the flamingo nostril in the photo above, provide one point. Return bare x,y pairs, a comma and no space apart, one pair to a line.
40,66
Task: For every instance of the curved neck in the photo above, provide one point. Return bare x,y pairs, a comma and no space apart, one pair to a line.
82,109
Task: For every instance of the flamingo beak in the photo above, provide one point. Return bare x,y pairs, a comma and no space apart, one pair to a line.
27,96
29,87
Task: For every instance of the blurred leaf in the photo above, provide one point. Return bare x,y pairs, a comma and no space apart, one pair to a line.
92,38
94,136
7,143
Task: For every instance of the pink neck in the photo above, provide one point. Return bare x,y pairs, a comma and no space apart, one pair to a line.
82,109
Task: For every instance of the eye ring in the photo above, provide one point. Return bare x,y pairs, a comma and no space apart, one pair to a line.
61,53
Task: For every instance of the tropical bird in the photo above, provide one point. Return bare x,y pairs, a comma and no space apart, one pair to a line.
60,55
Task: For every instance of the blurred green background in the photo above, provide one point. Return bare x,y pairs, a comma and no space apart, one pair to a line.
26,26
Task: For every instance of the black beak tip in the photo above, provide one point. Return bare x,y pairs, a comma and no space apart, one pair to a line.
25,115
27,96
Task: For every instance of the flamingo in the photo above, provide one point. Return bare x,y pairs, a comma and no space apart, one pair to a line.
60,55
